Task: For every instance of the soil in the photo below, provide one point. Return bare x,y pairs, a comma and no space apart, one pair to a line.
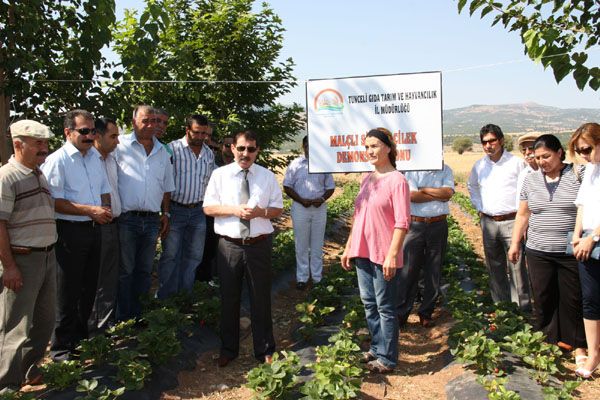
425,365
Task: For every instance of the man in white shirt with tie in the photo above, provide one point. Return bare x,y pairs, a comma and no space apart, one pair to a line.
243,197
492,186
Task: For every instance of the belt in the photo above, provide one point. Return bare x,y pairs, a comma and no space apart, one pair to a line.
28,249
85,223
428,220
246,241
192,205
504,217
143,213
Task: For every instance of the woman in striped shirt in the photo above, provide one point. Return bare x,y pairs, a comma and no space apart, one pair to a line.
547,212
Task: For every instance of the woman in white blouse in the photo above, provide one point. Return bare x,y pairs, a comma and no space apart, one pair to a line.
586,143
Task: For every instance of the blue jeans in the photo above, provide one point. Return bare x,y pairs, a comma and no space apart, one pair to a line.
137,236
379,298
182,250
589,276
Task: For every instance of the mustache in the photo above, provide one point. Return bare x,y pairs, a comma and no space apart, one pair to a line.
87,141
42,153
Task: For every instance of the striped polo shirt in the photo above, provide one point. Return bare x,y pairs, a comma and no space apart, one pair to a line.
26,205
190,173
552,210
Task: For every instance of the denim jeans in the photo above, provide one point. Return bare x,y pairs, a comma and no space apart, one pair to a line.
379,298
137,236
309,233
182,250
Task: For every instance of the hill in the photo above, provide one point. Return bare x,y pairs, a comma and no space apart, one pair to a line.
517,118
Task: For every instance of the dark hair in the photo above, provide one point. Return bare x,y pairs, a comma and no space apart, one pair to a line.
550,142
101,124
491,128
196,118
385,136
248,135
69,121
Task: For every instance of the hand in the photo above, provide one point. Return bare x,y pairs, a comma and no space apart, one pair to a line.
317,202
100,214
582,248
514,252
306,203
251,212
12,279
345,260
164,227
389,268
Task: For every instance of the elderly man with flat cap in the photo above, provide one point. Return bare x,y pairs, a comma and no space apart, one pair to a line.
525,143
27,261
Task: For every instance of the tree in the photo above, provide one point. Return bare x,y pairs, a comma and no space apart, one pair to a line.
218,57
462,144
509,143
46,41
554,32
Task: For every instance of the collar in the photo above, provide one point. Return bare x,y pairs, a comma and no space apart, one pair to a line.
251,170
72,150
186,144
505,156
20,167
156,144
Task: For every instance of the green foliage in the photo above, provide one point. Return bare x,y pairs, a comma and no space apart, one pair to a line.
275,380
284,251
311,316
496,389
221,45
343,205
465,204
9,394
462,144
165,317
98,349
132,371
509,142
123,329
61,375
555,33
336,375
160,344
480,352
94,392
562,392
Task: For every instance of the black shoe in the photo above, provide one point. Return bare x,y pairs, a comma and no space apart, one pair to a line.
300,285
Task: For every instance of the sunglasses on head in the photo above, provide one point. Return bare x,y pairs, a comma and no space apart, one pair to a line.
241,149
85,131
584,150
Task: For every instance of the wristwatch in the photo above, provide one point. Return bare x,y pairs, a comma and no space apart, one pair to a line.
168,214
596,238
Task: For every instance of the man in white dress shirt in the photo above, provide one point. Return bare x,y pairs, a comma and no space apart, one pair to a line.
145,185
493,189
103,313
81,191
243,197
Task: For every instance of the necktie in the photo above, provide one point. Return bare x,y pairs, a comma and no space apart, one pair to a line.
244,196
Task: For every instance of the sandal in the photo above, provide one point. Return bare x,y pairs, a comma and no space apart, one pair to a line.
367,356
580,361
585,373
378,367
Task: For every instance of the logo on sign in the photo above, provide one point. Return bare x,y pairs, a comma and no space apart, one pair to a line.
329,101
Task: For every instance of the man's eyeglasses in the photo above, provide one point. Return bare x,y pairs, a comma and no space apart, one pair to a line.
85,131
241,149
151,121
491,141
584,151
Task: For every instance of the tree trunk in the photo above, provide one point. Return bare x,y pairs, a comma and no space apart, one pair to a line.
6,148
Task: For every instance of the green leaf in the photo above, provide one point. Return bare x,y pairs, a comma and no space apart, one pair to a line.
461,5
475,4
486,10
581,75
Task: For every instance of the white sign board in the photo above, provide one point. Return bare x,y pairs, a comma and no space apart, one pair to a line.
341,111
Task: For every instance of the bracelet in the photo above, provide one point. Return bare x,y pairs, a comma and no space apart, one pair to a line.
266,211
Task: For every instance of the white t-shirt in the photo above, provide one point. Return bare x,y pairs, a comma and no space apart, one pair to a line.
589,197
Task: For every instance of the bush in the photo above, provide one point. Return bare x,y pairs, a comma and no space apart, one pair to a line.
509,143
462,144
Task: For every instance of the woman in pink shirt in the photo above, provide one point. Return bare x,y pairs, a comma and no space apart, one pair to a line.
380,222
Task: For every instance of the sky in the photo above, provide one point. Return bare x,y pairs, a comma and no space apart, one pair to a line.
480,64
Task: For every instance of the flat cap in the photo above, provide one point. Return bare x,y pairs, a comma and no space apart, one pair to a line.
30,128
528,137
